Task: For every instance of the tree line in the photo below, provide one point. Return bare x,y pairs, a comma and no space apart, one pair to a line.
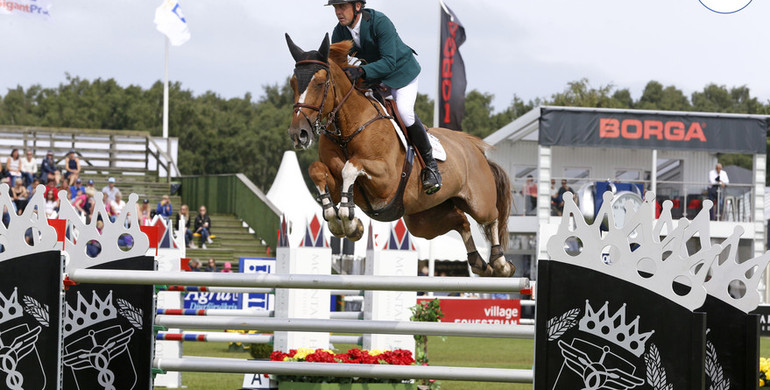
248,135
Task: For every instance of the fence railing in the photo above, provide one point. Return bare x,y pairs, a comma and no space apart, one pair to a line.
736,200
124,151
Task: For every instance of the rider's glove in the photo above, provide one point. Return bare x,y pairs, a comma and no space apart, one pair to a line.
354,72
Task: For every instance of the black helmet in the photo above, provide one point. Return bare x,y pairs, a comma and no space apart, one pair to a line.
333,2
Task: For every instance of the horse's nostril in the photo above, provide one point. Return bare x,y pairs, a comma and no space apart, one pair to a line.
303,136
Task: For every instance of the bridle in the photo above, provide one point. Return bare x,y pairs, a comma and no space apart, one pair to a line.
321,125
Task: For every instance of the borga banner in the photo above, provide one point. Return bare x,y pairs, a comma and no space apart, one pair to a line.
451,71
38,9
170,20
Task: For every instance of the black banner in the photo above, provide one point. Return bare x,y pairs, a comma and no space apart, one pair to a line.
652,131
30,313
451,71
108,332
594,331
732,346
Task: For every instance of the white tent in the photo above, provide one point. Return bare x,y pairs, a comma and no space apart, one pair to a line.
290,195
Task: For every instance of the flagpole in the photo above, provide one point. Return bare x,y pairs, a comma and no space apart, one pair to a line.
438,76
165,94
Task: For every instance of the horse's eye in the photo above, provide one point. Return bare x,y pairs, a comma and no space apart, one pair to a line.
319,84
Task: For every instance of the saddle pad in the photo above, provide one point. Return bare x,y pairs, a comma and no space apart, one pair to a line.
438,150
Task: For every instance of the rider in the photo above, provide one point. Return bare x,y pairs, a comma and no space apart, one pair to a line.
390,61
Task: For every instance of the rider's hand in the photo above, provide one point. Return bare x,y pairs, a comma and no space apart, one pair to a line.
354,72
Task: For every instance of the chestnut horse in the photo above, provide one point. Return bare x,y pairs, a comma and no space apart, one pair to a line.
358,145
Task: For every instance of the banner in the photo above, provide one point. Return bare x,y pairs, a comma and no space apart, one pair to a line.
479,311
652,130
451,71
38,9
171,22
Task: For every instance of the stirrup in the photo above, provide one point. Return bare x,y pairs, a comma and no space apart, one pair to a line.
431,181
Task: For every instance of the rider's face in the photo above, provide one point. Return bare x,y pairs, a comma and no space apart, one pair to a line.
344,13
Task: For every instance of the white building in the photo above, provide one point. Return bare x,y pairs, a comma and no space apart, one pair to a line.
669,153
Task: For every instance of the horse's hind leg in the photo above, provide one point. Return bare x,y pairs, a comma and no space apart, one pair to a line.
441,219
500,265
323,180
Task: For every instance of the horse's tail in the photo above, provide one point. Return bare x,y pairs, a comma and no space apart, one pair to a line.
503,185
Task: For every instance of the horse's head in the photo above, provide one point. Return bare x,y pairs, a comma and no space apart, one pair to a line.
312,95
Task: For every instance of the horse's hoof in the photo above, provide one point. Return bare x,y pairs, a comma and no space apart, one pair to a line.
357,231
336,229
503,268
486,272
478,265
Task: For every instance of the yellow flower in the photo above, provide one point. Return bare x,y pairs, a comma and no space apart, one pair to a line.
302,353
761,383
376,352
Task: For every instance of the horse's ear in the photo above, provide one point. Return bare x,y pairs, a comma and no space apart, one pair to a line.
324,49
295,51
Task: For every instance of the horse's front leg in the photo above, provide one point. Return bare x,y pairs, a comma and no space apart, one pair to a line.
323,180
353,227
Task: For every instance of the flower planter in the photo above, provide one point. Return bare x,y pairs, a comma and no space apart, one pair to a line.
284,385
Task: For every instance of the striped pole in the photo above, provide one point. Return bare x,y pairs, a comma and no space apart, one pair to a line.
246,338
339,315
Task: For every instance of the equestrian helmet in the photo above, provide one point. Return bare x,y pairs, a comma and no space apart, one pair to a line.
333,2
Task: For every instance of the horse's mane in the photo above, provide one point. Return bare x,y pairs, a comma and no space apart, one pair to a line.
338,52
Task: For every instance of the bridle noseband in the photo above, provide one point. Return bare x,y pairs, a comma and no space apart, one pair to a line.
317,126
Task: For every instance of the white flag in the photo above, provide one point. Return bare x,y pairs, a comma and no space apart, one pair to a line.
38,9
170,21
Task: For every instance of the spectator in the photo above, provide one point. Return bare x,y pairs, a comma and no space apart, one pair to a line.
228,267
50,186
33,186
90,189
13,166
143,213
530,193
78,186
164,208
28,167
116,205
48,169
203,226
19,195
182,223
80,203
110,189
107,207
560,197
71,167
64,187
51,205
195,265
212,267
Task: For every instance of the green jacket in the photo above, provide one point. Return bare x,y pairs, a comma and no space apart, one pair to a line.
388,59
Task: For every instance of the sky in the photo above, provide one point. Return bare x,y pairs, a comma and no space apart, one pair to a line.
528,48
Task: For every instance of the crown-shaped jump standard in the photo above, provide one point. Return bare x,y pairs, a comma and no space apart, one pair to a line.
88,314
648,253
618,300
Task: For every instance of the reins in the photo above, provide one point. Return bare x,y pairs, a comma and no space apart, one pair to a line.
322,127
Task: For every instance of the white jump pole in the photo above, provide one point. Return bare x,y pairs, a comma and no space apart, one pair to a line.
302,281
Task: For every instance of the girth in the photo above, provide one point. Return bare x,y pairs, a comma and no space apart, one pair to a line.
395,208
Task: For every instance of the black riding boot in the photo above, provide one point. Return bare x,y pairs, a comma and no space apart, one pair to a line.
431,178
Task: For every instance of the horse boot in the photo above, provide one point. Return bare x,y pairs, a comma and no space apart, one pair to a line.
431,178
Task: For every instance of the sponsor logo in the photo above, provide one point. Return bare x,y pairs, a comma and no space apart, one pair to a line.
651,129
725,6
448,50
